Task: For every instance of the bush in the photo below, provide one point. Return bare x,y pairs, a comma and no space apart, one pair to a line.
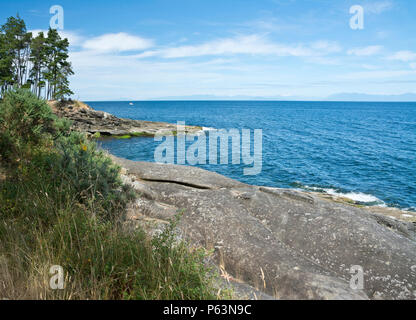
61,204
24,121
90,175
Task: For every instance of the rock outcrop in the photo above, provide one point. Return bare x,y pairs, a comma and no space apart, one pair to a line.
85,119
285,243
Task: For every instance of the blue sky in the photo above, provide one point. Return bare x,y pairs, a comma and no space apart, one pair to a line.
133,50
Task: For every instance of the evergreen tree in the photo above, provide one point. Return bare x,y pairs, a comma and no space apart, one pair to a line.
38,60
6,66
17,47
34,63
65,71
58,68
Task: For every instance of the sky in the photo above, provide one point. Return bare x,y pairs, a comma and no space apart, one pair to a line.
306,49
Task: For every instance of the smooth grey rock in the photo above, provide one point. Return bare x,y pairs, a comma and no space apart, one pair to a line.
181,175
286,243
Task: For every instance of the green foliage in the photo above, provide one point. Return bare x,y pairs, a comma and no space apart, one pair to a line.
24,121
142,134
62,204
47,57
126,136
58,68
38,59
90,174
6,65
17,45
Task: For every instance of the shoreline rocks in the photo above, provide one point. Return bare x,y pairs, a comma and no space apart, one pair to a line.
285,243
102,124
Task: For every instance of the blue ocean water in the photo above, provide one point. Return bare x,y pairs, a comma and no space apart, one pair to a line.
363,150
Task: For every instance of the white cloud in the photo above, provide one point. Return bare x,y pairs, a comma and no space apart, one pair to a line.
326,47
147,54
230,66
370,67
404,56
251,44
365,51
117,42
381,74
378,6
114,75
74,38
269,24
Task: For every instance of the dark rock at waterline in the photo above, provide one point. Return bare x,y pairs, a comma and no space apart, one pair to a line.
288,244
85,119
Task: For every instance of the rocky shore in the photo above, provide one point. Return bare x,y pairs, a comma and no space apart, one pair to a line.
103,124
284,243
268,243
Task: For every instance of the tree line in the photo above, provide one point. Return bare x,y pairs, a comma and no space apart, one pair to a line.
37,63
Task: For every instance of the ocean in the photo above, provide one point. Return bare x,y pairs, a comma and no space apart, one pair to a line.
365,151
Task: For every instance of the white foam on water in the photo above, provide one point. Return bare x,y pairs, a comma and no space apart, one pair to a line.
207,129
203,130
354,196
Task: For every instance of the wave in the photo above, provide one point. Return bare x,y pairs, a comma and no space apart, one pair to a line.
357,197
208,129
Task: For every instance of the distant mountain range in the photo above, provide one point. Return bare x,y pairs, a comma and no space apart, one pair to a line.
406,97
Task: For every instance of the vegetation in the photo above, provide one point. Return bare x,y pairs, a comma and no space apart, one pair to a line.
39,63
126,136
142,134
62,203
97,135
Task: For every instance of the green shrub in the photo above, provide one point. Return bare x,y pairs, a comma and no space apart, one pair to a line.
24,121
90,174
61,204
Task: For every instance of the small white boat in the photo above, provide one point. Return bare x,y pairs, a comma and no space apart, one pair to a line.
131,103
